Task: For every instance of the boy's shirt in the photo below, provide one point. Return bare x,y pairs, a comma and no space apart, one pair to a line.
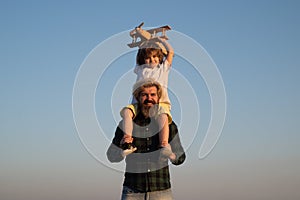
159,74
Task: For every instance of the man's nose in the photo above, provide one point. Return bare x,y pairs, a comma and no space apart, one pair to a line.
148,97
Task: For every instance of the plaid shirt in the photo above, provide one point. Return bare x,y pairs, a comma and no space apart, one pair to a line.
144,171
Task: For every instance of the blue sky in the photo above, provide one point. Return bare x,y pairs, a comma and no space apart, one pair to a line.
254,44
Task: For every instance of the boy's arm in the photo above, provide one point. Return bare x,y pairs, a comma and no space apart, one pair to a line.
170,50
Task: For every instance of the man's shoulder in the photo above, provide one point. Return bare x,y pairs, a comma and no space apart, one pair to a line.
173,128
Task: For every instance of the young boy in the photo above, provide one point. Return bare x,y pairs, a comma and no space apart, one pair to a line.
151,63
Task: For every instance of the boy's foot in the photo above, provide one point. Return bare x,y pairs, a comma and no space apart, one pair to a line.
128,148
127,145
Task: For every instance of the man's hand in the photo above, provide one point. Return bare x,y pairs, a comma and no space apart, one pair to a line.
166,153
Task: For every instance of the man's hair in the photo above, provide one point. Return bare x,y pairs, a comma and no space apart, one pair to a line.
146,83
148,49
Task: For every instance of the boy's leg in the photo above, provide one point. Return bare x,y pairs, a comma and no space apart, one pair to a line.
166,150
127,125
163,130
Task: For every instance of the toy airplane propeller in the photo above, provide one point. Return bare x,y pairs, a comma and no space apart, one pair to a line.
139,36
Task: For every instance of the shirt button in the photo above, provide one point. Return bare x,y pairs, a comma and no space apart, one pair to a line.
147,129
147,149
148,138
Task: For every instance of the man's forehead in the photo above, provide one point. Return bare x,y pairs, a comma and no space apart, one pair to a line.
151,89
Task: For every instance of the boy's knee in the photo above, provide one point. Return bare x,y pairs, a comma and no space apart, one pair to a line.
168,118
126,113
163,118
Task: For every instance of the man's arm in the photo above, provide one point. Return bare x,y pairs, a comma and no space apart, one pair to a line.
114,152
176,146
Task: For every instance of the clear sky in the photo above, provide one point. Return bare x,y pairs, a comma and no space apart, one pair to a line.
254,44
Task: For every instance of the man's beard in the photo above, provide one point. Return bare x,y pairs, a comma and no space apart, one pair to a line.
149,111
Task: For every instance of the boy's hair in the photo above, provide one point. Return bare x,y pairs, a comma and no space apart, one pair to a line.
147,50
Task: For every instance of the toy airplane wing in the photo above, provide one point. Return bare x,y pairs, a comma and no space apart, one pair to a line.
135,44
159,29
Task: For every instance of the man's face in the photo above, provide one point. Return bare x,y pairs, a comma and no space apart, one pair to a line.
148,96
147,99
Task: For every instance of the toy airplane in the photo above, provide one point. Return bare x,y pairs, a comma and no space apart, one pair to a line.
139,36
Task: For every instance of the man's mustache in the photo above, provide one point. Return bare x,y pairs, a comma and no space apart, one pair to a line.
149,101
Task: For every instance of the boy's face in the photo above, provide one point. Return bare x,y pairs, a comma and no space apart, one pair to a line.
152,60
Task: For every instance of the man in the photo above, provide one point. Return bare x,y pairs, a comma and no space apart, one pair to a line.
147,171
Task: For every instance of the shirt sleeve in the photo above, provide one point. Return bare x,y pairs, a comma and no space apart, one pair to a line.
176,146
114,151
136,69
166,65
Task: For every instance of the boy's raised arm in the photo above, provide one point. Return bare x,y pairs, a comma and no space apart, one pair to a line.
169,49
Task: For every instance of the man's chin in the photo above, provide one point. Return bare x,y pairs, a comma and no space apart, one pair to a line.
148,105
149,110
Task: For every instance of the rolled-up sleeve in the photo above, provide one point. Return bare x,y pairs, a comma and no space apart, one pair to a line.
176,146
114,152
